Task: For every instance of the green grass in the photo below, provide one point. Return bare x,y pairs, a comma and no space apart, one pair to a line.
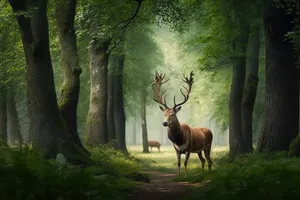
166,160
25,175
252,176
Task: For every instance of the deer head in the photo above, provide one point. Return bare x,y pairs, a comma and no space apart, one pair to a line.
170,113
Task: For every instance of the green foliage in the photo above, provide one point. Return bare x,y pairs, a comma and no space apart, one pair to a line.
26,175
115,161
143,56
253,176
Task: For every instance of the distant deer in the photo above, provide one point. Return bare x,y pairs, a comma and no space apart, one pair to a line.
153,143
185,139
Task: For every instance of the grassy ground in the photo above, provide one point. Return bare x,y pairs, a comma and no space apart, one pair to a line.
25,175
252,176
166,160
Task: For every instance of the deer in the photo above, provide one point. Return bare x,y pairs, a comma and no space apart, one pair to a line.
153,143
185,139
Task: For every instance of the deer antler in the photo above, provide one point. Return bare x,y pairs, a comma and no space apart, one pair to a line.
156,85
190,82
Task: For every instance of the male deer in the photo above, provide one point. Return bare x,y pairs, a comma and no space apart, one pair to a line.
154,143
185,139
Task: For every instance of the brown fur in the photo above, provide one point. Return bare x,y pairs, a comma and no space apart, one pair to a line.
153,143
190,140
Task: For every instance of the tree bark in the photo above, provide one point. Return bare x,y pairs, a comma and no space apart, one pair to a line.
68,101
280,125
119,113
110,102
13,124
144,121
48,131
3,113
96,126
252,63
236,95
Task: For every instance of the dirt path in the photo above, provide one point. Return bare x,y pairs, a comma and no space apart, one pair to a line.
161,187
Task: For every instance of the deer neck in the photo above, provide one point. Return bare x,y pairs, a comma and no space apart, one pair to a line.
175,134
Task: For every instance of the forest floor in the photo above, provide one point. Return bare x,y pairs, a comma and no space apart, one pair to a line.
164,182
162,187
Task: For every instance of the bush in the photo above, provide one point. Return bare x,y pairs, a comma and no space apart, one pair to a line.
24,174
253,176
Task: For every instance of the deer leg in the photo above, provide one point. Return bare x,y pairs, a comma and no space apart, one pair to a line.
201,159
187,156
159,149
178,162
207,156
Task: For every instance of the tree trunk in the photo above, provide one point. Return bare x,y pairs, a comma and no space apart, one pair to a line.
13,125
144,121
3,114
96,126
48,131
119,113
134,132
236,95
110,103
280,125
68,101
252,62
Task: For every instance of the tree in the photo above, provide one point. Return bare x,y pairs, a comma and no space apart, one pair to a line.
280,124
110,103
96,126
48,130
3,113
141,50
250,89
13,125
119,113
144,121
65,14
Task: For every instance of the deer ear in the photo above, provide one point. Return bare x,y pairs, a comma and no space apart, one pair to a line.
178,109
162,108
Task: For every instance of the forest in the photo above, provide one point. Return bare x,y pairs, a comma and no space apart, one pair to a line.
99,99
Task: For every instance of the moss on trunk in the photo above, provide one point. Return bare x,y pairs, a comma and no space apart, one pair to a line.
47,128
68,101
96,126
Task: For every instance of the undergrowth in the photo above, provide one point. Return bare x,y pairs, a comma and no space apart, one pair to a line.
27,176
252,176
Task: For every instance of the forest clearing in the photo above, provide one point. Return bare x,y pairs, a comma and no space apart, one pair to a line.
149,99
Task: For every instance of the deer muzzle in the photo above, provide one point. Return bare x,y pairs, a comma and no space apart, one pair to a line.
165,123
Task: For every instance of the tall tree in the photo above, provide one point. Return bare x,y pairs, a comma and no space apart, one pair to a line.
144,120
236,139
119,113
250,90
47,127
280,125
110,103
96,126
65,14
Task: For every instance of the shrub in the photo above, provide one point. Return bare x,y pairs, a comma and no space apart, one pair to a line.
24,174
